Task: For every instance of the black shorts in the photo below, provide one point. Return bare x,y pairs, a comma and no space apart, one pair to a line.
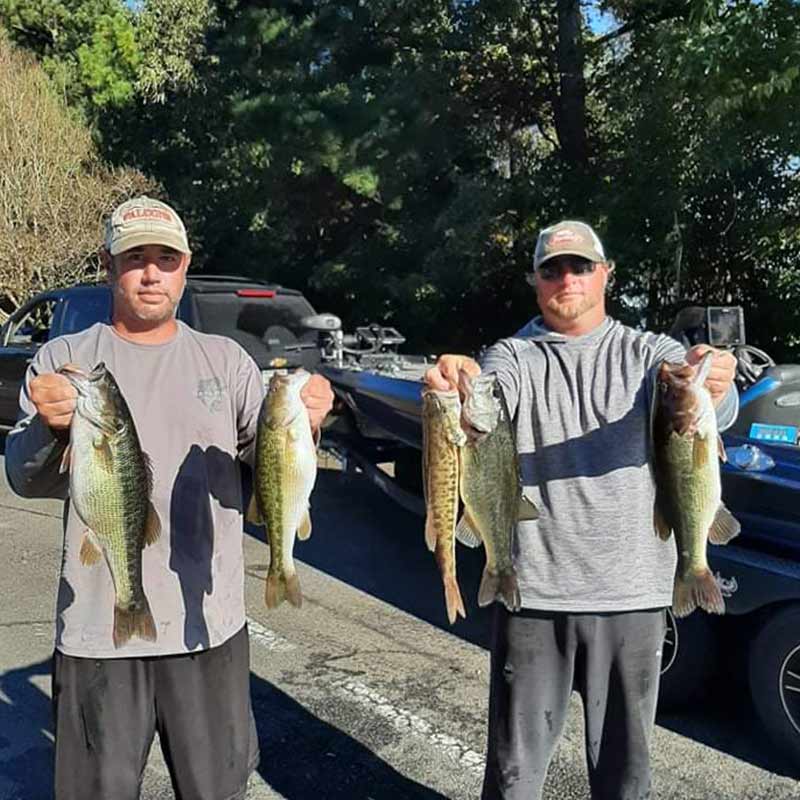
107,711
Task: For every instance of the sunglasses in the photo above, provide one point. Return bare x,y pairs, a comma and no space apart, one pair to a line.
552,272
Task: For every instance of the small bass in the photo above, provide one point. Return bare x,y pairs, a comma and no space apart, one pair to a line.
441,438
285,473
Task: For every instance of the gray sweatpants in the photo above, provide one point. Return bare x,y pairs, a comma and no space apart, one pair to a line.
538,659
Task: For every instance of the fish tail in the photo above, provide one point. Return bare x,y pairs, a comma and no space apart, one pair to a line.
697,590
499,586
452,597
430,532
489,589
509,592
135,621
282,587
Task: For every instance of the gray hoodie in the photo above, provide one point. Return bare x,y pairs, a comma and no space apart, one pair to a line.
581,406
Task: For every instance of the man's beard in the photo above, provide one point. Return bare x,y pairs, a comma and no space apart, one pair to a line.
146,313
155,314
570,309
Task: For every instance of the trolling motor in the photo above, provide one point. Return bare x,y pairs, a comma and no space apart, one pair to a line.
334,344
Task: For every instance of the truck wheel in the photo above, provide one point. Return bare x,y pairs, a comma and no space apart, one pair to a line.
688,659
774,669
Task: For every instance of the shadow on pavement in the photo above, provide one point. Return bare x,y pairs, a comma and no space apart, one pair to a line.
363,538
731,728
26,750
302,757
305,758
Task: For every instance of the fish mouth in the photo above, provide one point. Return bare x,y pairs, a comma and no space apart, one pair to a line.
76,376
80,378
98,373
298,377
479,412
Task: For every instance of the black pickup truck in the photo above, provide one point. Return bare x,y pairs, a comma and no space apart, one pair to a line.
266,319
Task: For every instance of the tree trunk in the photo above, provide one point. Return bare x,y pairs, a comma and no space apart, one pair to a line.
570,106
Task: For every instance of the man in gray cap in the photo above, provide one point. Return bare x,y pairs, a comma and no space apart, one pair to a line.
593,576
189,678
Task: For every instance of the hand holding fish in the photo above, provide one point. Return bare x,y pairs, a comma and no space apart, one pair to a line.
444,375
55,399
317,397
722,373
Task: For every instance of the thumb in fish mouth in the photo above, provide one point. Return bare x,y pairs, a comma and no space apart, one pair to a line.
72,369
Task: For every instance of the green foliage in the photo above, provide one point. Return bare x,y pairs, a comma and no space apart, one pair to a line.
105,54
396,158
87,46
54,190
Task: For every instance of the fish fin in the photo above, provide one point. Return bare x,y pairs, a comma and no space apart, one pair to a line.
467,531
509,591
90,553
499,587
701,376
304,529
430,533
700,452
452,597
138,622
280,588
152,526
699,590
724,527
662,527
723,456
293,593
275,590
489,588
253,515
148,471
527,508
102,444
66,460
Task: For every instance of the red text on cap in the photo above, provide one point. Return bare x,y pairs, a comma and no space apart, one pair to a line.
147,213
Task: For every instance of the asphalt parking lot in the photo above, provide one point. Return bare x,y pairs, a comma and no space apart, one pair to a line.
365,692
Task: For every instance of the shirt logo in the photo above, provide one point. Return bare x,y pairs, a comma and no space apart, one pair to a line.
211,392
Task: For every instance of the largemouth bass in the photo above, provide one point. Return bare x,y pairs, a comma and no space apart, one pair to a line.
286,469
491,488
441,438
110,485
686,447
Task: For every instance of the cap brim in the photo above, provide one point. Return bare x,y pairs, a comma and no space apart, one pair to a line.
593,258
144,238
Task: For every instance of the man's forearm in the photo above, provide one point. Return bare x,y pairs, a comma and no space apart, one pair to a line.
33,458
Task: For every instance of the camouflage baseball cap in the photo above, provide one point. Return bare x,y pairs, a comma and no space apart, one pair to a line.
568,238
142,221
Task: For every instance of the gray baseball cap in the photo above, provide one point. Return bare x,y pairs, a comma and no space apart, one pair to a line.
142,221
568,238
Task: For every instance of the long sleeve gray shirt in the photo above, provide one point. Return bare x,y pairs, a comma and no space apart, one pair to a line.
195,402
581,408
